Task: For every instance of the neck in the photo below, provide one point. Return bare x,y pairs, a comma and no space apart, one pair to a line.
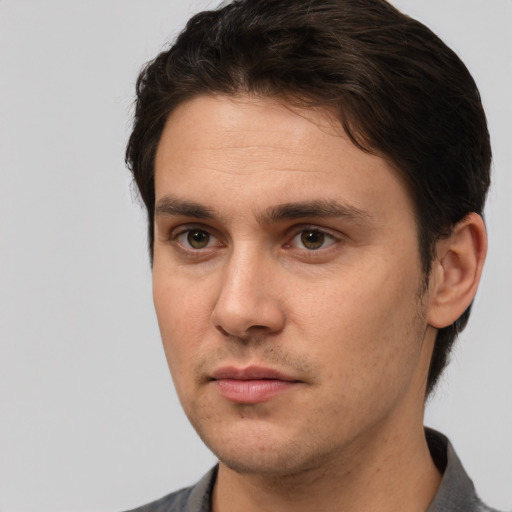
399,475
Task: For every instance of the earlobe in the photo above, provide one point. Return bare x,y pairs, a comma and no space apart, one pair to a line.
456,271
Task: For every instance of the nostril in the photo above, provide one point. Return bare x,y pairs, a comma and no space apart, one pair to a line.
250,333
222,330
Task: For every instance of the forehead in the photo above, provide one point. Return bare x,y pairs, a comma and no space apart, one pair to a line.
259,151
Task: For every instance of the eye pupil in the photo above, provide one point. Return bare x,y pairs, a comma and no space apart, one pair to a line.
313,239
198,239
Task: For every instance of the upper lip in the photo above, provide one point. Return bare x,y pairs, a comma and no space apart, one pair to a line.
250,373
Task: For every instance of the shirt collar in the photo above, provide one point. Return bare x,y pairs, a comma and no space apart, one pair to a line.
456,492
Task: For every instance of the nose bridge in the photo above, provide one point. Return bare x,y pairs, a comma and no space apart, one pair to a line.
246,298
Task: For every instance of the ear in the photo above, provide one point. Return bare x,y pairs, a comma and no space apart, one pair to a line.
456,271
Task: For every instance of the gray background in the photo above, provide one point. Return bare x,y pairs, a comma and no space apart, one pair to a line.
88,416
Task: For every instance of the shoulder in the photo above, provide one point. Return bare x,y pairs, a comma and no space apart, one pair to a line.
190,499
174,502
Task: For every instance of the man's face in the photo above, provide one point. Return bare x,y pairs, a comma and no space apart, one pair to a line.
287,285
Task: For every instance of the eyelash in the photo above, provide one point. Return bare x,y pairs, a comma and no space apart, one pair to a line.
326,238
186,231
181,238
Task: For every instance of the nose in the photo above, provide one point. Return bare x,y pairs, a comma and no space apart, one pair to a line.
248,301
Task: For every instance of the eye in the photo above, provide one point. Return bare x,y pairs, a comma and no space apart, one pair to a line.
312,239
196,239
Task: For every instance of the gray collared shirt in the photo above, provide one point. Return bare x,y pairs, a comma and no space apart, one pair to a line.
455,494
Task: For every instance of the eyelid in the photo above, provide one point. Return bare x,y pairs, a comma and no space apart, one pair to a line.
184,229
297,230
188,226
333,236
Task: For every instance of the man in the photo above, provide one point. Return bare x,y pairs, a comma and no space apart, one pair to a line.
314,174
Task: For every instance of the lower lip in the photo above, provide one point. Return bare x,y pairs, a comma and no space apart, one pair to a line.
251,391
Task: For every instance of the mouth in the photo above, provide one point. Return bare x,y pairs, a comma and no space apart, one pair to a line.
251,385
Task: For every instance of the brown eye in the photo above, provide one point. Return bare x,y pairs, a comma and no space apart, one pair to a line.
198,239
312,239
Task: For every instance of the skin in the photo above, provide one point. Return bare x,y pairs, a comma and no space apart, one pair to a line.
331,295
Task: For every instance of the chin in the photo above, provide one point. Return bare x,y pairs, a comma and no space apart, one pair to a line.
263,451
256,463
279,463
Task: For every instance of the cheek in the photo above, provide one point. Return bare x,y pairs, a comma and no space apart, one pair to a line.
183,317
180,302
366,322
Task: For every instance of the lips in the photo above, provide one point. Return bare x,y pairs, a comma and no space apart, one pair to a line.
250,373
251,385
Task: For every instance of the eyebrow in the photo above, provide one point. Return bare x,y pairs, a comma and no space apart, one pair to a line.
317,208
320,208
173,206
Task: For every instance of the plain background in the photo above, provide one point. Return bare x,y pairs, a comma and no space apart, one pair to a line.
88,417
